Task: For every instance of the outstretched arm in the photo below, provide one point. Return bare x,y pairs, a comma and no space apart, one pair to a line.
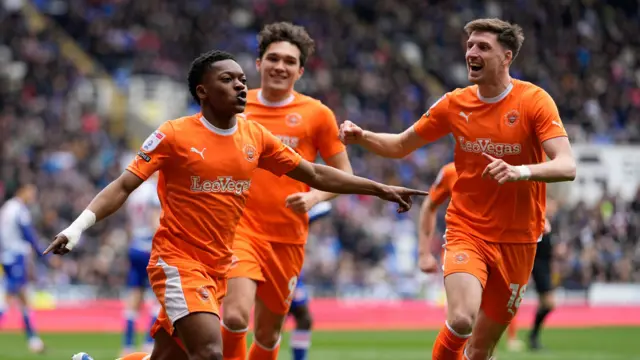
328,179
339,161
387,145
104,204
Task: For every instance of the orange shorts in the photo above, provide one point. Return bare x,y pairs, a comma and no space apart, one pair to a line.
503,270
274,266
183,289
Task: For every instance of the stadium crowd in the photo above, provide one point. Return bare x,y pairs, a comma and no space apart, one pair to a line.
378,63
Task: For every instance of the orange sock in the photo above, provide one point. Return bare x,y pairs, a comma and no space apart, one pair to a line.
234,344
449,345
512,330
136,356
258,352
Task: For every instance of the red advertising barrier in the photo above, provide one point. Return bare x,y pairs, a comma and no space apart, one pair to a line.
329,314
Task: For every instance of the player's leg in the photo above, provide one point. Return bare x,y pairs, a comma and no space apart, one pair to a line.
244,276
266,339
190,300
513,343
137,281
133,305
544,287
301,337
154,310
282,266
503,293
17,278
465,272
201,336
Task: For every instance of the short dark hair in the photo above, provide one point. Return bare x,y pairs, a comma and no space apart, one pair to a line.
509,35
286,31
201,65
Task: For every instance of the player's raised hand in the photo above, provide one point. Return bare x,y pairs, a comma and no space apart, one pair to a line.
500,171
58,246
401,196
301,202
350,133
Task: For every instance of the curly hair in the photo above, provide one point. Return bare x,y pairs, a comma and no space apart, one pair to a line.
286,31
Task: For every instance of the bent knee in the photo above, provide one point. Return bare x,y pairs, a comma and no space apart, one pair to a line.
210,351
267,338
235,318
461,321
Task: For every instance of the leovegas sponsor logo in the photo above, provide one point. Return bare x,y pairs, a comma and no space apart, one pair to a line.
223,184
489,147
290,141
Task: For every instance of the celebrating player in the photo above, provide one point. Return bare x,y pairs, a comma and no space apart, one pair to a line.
440,190
205,164
17,238
270,237
143,210
503,128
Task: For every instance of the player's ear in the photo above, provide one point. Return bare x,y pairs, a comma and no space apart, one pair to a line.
300,72
258,64
508,56
201,91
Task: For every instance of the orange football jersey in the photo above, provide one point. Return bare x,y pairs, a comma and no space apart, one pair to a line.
206,174
443,185
307,126
511,126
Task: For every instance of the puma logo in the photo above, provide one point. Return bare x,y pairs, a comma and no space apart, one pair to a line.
201,153
556,124
465,116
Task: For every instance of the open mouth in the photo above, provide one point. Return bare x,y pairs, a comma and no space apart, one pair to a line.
475,66
242,97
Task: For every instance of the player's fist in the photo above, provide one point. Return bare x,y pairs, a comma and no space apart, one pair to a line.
58,246
350,133
301,202
428,263
401,196
500,171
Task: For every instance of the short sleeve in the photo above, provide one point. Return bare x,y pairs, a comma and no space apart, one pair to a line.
275,156
547,123
326,134
440,189
433,124
154,152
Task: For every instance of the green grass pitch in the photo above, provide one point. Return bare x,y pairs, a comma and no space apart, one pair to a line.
562,344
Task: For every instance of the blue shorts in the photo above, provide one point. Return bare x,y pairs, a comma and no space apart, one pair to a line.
138,261
15,274
300,296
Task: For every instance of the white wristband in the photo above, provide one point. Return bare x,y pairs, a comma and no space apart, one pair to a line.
82,223
525,172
